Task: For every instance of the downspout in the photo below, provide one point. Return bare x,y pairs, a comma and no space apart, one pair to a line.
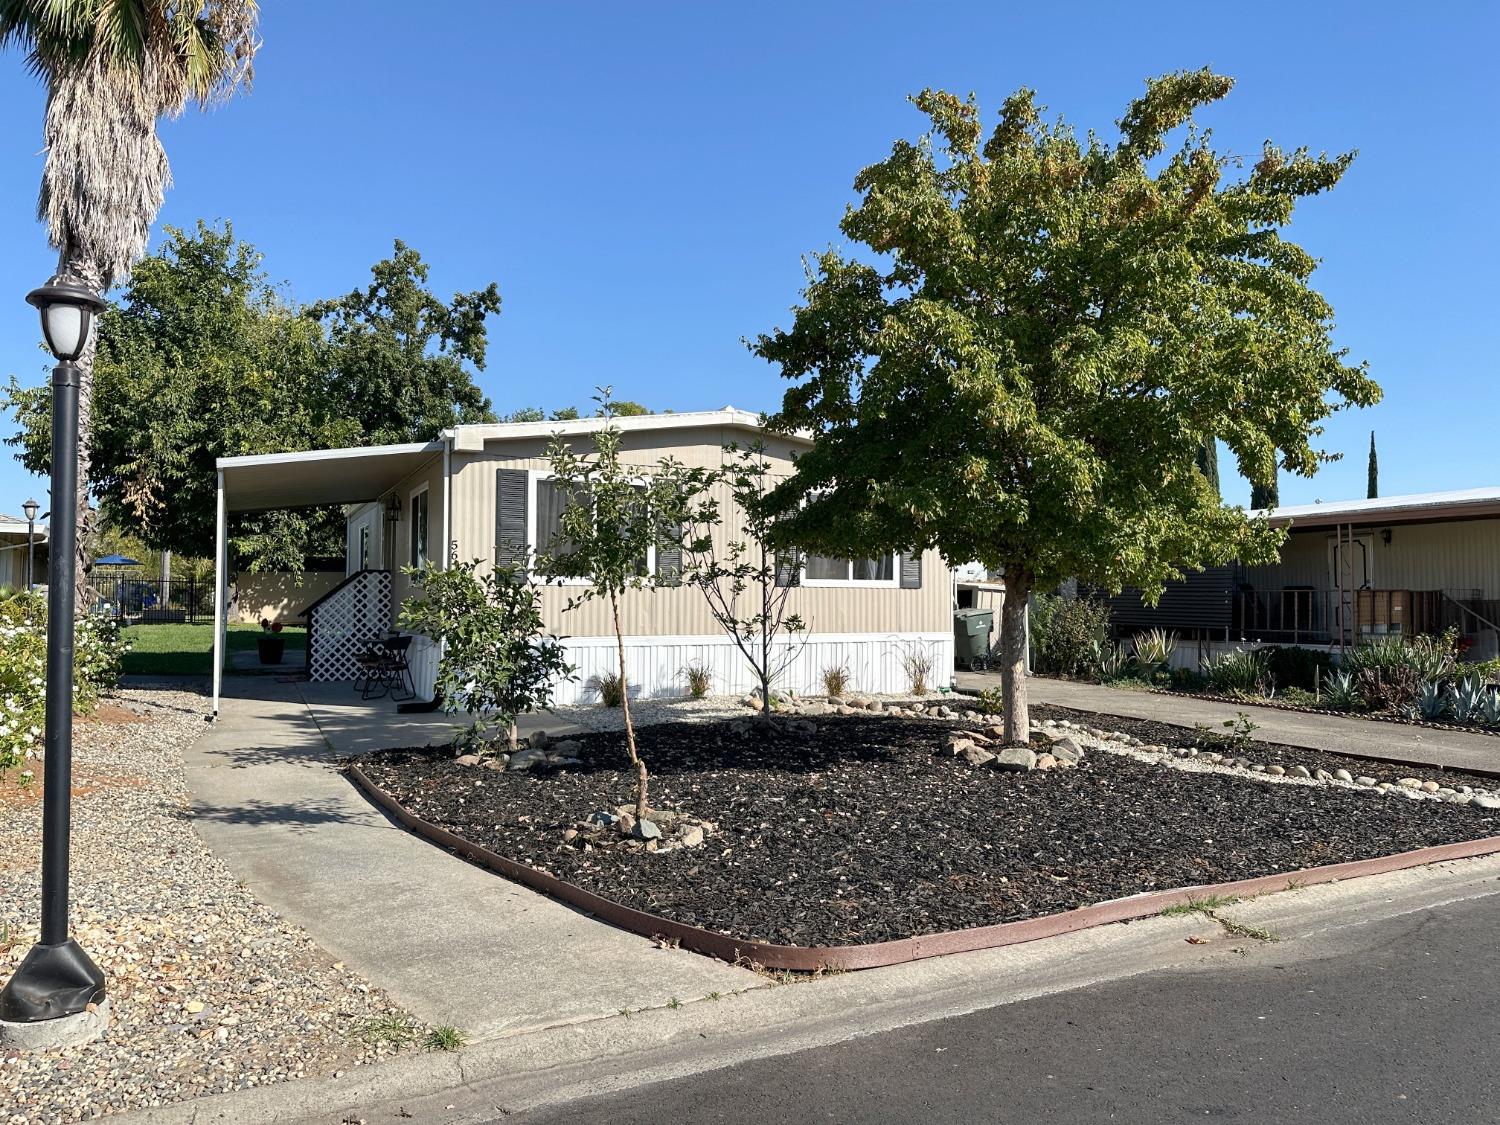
221,594
447,499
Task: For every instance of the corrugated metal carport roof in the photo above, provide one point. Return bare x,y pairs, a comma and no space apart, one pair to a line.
1458,504
271,481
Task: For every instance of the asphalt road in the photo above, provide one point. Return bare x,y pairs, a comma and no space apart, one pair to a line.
1396,1021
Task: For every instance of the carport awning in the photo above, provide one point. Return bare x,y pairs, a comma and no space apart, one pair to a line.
272,481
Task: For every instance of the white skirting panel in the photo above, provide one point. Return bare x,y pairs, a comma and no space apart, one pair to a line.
423,658
654,664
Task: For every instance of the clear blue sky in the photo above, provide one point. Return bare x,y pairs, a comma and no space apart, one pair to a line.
642,179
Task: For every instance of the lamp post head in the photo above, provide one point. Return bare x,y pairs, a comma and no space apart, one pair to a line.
68,308
31,508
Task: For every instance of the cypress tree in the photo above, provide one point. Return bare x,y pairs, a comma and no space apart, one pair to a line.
1264,496
1373,491
1208,462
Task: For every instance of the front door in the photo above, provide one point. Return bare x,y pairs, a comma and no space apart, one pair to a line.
1351,564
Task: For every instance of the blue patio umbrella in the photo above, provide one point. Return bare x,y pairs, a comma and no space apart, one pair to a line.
115,560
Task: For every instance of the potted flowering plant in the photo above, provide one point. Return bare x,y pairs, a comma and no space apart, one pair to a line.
272,644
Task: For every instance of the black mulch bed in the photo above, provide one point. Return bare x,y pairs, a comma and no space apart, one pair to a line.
1166,734
861,833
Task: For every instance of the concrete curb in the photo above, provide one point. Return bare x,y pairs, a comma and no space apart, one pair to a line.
801,958
558,1065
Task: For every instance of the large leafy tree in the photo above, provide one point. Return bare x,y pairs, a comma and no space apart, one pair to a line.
1044,331
201,358
400,353
113,68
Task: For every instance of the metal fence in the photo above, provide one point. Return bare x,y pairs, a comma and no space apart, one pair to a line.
1305,615
150,601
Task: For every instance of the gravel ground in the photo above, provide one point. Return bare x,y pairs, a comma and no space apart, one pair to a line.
863,831
650,712
211,991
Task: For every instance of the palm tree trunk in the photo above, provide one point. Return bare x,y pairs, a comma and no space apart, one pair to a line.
640,766
80,267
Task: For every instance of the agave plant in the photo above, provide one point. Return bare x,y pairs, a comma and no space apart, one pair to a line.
1432,702
1153,648
1489,710
1341,692
1467,698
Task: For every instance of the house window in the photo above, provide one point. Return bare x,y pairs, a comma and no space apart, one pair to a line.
418,556
364,548
820,570
552,500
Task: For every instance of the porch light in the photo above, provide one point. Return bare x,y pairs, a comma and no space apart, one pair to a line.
393,509
68,309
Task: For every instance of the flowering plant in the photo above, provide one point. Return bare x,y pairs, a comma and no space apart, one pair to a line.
97,652
270,626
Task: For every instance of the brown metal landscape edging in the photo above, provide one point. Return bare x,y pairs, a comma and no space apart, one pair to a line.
803,958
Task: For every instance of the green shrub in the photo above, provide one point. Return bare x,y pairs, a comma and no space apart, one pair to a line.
1239,671
97,652
1298,697
991,701
1066,635
1390,671
1292,667
1185,679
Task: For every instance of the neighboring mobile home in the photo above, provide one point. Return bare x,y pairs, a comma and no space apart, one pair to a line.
13,553
479,489
1350,570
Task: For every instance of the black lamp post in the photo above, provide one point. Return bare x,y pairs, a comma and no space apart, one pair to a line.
57,978
31,508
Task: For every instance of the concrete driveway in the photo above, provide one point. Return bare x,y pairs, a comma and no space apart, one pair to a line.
454,944
1340,734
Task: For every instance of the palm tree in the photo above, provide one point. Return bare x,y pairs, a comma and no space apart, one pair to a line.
113,68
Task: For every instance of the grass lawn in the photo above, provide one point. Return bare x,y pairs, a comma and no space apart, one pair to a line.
186,650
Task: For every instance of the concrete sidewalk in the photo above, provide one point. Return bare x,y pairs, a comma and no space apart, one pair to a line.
1336,733
453,944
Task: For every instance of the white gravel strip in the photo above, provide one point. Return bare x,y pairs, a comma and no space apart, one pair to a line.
210,990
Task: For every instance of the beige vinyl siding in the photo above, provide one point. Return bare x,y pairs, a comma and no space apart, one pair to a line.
681,611
1463,555
398,552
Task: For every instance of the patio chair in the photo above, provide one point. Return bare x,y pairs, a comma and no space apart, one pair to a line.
386,670
369,661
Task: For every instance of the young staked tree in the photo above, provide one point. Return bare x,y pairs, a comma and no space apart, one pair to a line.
738,577
498,660
1023,367
1372,482
113,68
615,515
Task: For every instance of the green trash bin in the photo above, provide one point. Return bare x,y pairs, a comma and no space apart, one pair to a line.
971,636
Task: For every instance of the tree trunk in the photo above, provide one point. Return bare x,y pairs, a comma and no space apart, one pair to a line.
511,737
640,766
1013,659
764,671
89,273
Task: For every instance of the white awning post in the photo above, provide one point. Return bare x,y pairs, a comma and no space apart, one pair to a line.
221,593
